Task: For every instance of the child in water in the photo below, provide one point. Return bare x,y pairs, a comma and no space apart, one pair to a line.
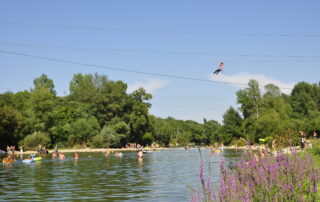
76,156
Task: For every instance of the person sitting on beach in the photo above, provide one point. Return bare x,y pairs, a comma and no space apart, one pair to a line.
140,153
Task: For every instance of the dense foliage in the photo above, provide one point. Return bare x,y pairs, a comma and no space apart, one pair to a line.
99,112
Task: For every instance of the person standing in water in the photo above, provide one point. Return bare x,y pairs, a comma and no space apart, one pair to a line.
140,153
76,156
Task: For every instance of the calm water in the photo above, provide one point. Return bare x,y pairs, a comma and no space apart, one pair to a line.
160,176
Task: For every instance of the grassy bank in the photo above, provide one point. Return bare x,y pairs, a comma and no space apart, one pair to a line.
315,151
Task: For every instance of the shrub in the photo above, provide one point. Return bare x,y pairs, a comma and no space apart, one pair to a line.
98,141
315,150
82,130
108,137
238,142
31,142
147,139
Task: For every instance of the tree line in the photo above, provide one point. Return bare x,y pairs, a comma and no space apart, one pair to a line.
99,112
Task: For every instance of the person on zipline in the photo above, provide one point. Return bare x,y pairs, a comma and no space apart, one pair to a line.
219,70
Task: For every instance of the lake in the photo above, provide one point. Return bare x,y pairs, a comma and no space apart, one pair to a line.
165,175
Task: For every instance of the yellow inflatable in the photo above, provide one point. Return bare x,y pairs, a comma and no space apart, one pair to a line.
8,160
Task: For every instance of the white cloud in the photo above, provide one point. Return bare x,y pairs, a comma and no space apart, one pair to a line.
150,86
244,78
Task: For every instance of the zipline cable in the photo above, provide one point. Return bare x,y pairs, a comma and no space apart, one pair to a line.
227,34
154,51
123,70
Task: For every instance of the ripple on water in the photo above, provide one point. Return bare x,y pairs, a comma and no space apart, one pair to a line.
159,176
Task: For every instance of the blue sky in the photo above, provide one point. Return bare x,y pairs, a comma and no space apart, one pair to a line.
271,41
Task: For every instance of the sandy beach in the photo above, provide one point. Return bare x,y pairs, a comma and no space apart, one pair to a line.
71,150
103,150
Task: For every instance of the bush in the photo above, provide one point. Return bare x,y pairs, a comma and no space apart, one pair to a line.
31,142
82,130
315,150
147,139
108,137
238,142
98,141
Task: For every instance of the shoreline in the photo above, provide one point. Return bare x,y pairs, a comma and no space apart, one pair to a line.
94,150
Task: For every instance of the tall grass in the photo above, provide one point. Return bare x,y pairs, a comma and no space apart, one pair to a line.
315,151
286,177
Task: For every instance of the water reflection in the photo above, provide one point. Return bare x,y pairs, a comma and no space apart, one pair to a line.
158,176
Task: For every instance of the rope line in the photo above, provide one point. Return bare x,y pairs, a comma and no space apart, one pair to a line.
123,69
156,51
228,34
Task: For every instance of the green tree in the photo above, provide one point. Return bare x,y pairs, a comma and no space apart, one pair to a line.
32,141
83,129
303,100
250,100
196,132
44,82
269,125
112,136
210,129
161,132
10,120
82,89
232,122
39,109
63,115
138,116
106,98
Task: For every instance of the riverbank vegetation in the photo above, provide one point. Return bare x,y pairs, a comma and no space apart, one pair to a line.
285,177
99,113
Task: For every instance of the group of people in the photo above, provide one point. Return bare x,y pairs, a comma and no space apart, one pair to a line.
108,152
42,150
11,149
62,156
134,146
303,141
218,149
59,155
11,155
